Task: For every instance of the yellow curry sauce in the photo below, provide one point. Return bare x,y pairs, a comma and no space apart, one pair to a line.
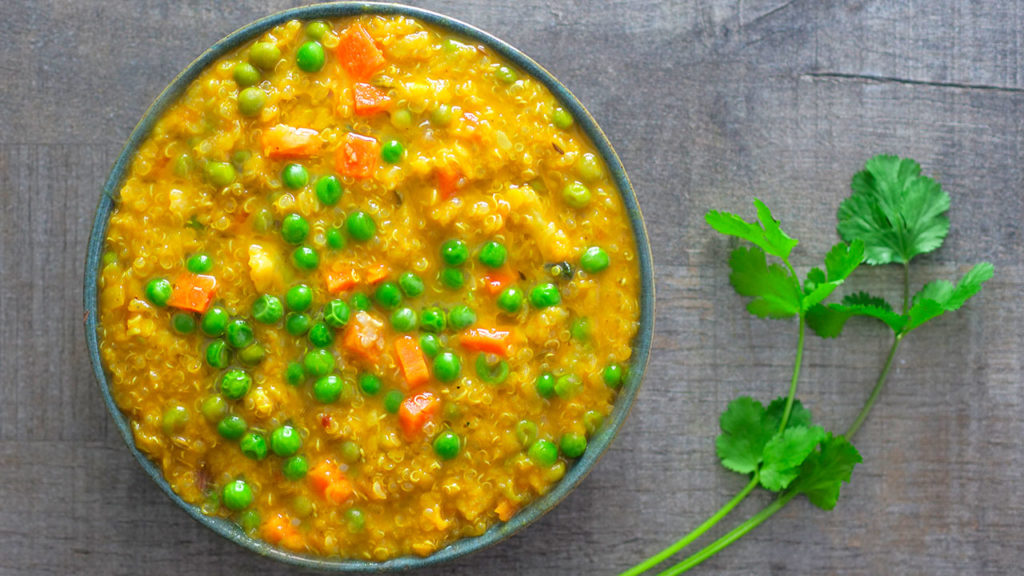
367,289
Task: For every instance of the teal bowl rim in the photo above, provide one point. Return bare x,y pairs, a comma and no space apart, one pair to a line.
641,343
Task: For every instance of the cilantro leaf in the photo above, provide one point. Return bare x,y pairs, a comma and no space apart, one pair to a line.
896,211
828,321
785,453
775,292
840,262
765,234
798,415
941,296
824,471
745,431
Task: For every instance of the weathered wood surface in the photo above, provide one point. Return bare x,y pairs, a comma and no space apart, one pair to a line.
709,103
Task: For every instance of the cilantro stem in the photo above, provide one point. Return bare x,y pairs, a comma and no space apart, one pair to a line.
906,286
796,375
876,390
732,536
696,533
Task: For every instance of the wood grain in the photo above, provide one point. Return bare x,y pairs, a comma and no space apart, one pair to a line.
709,103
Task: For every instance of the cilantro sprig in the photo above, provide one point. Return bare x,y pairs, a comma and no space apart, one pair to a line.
893,215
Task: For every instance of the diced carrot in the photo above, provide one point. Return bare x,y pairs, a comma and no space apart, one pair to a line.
377,273
193,292
449,181
327,479
358,53
369,100
363,337
496,281
340,277
284,141
485,340
279,530
358,156
505,510
414,365
415,411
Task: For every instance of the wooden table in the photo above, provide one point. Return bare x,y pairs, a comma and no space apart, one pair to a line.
709,103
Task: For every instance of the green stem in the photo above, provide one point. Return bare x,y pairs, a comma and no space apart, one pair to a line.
796,375
906,286
696,533
866,409
732,536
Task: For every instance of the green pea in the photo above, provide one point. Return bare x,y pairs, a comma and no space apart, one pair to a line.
318,362
240,157
461,317
393,401
580,329
447,445
183,165
356,520
447,367
321,335
237,495
545,295
388,295
545,385
613,375
505,75
392,151
328,190
218,354
335,239
245,74
328,389
317,29
361,226
594,260
360,301
336,313
252,354
576,194
109,257
310,57
253,445
492,254
294,374
491,369
454,252
411,284
294,228
285,440
433,320
369,384
158,291
297,323
263,221
573,445
249,520
174,419
510,300
401,118
453,278
561,118
239,334
430,344
442,115
592,420
267,309
350,452
295,467
298,298
214,321
235,383
404,319
199,263
251,100
294,176
305,258
543,453
526,433
220,173
214,408
566,386
183,323
232,427
264,54
588,167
